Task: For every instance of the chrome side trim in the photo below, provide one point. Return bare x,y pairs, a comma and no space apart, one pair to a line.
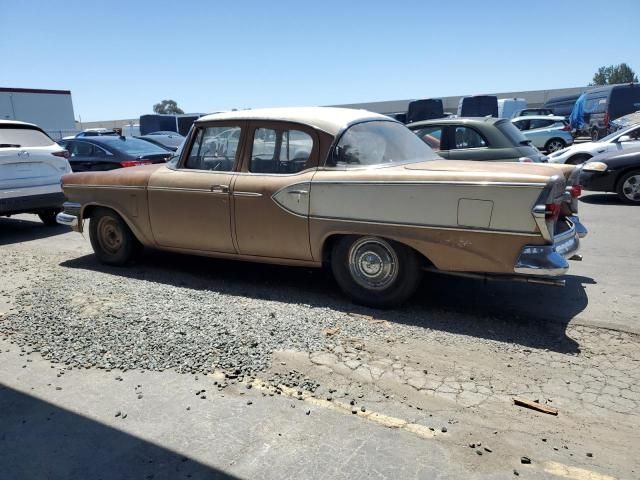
247,194
113,187
429,227
480,183
581,230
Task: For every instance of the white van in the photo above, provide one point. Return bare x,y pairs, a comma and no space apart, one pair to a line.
507,107
31,165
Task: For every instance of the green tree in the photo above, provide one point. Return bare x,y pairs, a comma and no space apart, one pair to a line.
167,106
613,74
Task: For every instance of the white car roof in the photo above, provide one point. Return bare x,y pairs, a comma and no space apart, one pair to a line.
16,122
557,118
329,119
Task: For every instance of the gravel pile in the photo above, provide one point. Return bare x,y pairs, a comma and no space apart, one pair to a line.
83,318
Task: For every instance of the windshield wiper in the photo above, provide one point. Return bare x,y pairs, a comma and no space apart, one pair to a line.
9,145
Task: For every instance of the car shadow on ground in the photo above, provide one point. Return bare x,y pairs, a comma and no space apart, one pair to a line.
603,199
525,314
17,230
41,440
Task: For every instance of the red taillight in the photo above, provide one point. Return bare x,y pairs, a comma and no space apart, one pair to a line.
606,119
61,153
134,163
576,191
567,127
552,211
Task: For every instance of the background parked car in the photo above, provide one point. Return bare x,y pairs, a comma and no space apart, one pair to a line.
31,165
485,138
525,112
170,142
603,104
109,152
92,132
548,133
618,172
581,152
508,107
624,121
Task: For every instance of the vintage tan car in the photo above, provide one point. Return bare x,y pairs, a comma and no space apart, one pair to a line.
344,188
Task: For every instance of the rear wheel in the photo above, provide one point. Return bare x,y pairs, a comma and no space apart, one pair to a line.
554,145
111,238
374,271
48,217
629,187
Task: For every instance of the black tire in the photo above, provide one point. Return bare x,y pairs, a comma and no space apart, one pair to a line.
111,238
396,279
554,144
628,188
48,217
578,159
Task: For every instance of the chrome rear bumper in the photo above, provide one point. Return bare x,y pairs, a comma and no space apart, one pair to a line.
70,216
551,260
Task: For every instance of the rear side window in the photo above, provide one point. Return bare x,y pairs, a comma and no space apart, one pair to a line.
280,151
537,123
23,137
466,137
432,136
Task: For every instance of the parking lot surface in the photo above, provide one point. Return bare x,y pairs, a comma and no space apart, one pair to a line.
184,367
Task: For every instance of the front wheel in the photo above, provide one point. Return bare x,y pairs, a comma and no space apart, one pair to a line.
629,187
111,238
374,271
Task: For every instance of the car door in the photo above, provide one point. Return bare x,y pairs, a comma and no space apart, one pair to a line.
271,193
80,157
190,202
634,139
539,131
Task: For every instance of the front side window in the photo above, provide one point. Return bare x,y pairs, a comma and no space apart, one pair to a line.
214,148
431,135
522,125
379,143
280,151
80,149
466,137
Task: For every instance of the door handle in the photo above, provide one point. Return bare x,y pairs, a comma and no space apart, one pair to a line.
220,188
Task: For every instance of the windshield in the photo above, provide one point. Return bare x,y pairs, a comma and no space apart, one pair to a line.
379,142
132,146
23,137
614,135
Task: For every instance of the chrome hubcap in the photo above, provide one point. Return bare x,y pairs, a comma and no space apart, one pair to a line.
110,235
373,263
631,188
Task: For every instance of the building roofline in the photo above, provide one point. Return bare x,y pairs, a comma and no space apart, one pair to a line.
34,90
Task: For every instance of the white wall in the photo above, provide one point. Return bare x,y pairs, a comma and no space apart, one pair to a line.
50,111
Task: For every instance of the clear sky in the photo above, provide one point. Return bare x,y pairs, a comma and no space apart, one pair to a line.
118,58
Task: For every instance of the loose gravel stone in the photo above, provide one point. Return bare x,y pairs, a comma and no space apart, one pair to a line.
525,460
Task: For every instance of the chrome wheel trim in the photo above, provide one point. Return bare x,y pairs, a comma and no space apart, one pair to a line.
631,188
373,263
554,146
110,235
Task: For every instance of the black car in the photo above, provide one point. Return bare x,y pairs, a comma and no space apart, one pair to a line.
170,142
619,173
110,152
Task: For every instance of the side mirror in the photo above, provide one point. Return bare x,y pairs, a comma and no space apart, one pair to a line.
625,138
